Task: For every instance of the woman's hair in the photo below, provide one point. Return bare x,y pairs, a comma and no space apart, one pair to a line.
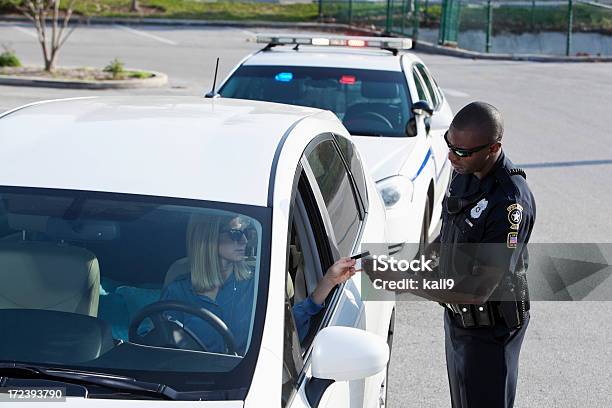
203,252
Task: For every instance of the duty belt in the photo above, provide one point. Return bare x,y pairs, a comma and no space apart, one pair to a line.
510,314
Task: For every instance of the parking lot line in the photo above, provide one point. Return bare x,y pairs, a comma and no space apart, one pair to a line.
455,93
145,34
26,31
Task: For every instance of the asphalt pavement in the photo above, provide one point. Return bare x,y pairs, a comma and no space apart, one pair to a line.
557,127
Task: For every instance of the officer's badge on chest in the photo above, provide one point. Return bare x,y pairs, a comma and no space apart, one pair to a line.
479,208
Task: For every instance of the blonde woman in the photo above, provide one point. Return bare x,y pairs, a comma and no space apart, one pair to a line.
218,278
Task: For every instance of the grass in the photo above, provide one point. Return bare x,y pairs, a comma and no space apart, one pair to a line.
506,18
189,9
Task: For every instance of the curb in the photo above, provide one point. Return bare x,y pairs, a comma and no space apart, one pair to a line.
430,48
158,79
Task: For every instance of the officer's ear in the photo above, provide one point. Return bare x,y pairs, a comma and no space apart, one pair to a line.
495,147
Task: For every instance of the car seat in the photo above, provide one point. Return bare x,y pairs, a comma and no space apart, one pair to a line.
48,276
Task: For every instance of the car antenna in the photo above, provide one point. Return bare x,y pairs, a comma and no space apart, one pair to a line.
212,93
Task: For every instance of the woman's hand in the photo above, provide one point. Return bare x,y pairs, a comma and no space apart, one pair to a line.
341,271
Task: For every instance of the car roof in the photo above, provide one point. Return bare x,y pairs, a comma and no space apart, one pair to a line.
188,147
330,57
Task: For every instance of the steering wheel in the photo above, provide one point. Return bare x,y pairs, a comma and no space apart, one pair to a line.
170,331
372,116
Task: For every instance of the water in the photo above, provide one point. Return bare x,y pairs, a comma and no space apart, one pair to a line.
545,43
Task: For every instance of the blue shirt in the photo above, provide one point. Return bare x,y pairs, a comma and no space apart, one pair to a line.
234,305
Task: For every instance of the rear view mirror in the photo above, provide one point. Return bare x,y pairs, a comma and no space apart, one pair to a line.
421,107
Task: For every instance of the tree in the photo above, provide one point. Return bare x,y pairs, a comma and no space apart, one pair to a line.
134,7
38,11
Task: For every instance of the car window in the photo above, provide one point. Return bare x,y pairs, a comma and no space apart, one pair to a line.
81,266
431,87
422,91
355,167
369,102
335,186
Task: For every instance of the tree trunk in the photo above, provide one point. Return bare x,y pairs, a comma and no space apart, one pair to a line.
50,63
134,6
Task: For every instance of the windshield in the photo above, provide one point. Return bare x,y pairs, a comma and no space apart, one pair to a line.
158,289
369,102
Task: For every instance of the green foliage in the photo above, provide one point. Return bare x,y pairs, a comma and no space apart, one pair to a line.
140,74
9,59
116,68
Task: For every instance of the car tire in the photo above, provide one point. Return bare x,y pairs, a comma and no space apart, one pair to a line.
424,238
383,400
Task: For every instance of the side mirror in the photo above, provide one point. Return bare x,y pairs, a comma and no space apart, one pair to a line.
421,107
344,354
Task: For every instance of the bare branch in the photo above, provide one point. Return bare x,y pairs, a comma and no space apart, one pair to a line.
67,35
65,24
54,38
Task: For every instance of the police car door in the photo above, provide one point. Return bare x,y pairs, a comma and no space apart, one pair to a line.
439,122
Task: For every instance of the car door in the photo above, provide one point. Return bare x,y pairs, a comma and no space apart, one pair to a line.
328,215
439,123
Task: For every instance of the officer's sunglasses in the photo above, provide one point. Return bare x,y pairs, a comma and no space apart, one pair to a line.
463,152
236,234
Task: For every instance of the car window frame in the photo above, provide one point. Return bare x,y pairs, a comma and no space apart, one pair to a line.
428,79
418,80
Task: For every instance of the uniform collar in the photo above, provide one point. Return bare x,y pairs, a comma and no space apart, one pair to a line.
468,186
488,181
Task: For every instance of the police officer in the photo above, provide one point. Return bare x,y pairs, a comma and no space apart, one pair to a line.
487,217
489,203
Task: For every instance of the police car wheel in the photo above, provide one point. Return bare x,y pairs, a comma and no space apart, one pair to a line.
384,387
424,238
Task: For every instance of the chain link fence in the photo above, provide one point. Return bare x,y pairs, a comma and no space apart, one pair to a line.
555,27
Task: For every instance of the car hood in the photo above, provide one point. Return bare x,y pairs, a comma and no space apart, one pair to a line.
384,156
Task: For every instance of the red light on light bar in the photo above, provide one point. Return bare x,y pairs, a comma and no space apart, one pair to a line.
356,43
348,80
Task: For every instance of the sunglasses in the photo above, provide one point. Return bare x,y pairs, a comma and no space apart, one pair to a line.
463,152
236,234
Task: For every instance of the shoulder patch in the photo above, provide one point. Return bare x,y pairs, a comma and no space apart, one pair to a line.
515,215
512,240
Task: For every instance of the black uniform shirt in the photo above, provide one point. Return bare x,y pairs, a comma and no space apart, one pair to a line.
485,224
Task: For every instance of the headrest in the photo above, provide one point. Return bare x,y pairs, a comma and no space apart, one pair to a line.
71,230
282,92
379,90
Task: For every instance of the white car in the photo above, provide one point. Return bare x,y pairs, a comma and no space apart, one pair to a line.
107,205
385,97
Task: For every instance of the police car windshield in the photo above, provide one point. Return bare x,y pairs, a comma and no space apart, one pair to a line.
369,102
116,284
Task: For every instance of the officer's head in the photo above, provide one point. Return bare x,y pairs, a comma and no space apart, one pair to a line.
474,138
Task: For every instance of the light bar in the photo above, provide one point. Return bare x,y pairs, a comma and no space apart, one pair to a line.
336,41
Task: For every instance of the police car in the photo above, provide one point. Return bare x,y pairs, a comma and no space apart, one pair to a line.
99,201
386,98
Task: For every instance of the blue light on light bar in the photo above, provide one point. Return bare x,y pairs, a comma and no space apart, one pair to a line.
284,76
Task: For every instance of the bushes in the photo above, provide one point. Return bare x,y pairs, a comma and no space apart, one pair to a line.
116,68
9,59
